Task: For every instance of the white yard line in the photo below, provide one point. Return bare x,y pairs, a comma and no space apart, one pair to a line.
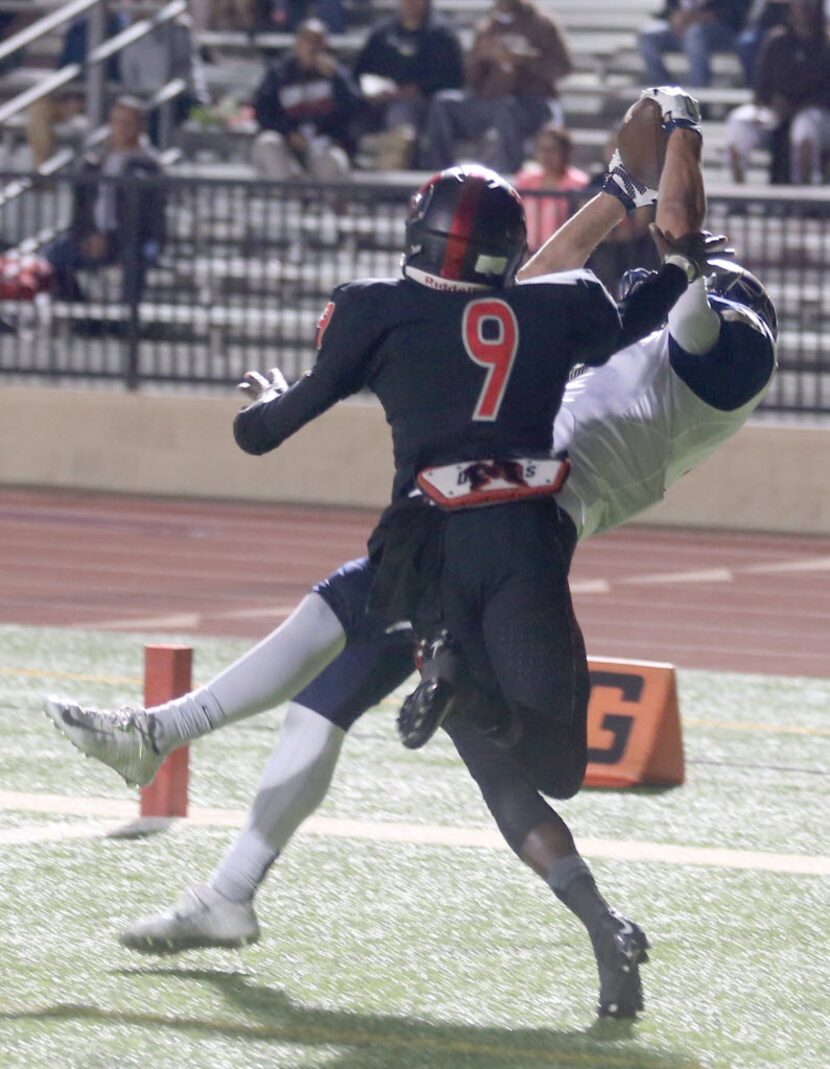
49,833
383,831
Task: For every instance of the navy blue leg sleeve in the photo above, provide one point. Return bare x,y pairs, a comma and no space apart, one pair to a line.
373,662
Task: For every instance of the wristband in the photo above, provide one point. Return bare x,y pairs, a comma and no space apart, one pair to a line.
687,266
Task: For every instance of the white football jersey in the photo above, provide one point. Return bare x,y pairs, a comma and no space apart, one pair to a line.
632,427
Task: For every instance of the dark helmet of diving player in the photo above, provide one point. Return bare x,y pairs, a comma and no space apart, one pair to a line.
735,283
465,225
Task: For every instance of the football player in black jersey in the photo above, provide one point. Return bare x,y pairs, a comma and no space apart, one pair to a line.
470,370
549,743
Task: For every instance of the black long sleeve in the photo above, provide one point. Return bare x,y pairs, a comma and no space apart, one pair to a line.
264,425
646,308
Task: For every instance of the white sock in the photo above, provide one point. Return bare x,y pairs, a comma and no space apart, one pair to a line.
693,323
296,778
269,674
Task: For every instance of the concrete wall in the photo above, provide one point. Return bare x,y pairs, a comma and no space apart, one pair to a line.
769,477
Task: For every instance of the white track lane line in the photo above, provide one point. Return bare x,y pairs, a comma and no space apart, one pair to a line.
184,621
702,575
423,834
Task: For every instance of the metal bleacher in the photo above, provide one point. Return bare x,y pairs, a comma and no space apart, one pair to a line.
249,264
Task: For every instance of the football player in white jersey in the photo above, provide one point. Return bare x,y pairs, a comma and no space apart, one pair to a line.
661,406
631,428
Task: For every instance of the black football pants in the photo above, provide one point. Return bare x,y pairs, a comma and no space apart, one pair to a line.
505,600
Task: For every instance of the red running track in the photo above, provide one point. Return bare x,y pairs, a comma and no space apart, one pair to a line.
736,602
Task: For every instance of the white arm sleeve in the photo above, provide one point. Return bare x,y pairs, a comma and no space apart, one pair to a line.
693,323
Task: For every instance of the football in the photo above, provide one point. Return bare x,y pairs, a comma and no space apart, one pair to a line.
642,142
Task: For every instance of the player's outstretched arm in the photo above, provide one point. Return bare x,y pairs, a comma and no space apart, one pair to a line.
681,202
622,192
576,239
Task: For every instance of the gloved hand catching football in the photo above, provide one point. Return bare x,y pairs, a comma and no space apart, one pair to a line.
678,109
643,139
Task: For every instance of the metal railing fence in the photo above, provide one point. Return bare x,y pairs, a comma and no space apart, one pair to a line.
247,266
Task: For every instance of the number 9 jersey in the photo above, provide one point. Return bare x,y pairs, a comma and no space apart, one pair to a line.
462,372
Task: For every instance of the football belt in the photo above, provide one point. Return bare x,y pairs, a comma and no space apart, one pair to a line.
477,483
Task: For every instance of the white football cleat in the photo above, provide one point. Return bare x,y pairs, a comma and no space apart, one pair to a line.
123,739
204,918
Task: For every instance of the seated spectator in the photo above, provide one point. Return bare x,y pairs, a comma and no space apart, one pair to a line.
67,104
167,52
406,59
551,171
11,23
517,57
695,27
763,16
223,14
279,16
113,223
792,92
305,106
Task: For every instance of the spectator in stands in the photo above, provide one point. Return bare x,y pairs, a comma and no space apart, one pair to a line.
695,27
113,223
280,16
406,59
551,171
792,93
517,57
67,105
165,53
763,16
12,22
223,14
305,107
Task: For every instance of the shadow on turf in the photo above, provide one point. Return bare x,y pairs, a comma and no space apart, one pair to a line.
380,1041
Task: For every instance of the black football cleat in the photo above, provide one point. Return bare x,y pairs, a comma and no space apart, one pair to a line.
620,947
424,711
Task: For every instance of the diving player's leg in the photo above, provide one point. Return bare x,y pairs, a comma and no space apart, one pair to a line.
293,784
134,741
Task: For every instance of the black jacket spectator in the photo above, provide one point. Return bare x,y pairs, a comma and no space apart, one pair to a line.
291,98
731,13
429,57
117,213
139,211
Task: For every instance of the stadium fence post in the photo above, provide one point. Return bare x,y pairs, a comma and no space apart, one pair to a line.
167,674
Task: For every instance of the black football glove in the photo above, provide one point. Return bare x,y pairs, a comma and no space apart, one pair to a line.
691,252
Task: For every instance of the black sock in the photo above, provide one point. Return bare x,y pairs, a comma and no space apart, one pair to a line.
571,881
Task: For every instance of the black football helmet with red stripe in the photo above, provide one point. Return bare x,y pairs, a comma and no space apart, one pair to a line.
465,226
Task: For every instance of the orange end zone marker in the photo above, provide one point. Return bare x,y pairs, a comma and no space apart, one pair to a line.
634,733
167,674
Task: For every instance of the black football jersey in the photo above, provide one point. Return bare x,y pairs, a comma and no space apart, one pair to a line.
460,375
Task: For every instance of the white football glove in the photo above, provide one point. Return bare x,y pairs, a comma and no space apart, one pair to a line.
678,108
256,387
620,184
